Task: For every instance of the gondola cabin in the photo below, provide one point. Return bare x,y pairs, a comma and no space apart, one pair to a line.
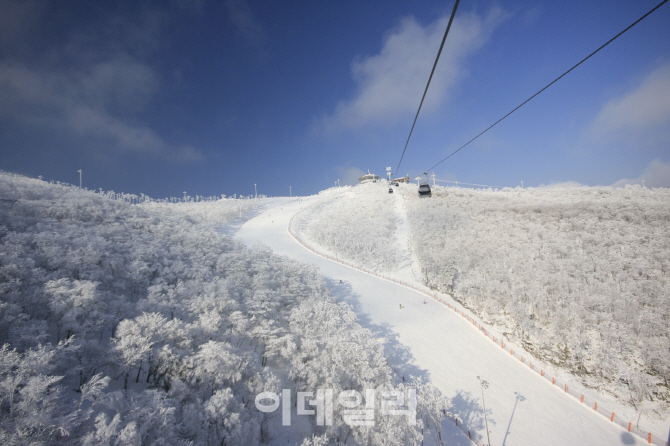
424,190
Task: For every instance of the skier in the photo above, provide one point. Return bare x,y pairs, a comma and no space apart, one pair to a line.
401,306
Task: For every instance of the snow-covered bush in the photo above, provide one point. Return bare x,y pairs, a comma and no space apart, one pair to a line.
359,225
210,212
140,324
580,277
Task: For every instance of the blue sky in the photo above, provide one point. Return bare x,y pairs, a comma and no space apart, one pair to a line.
211,97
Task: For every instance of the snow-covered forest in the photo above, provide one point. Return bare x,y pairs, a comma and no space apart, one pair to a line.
359,225
127,324
577,276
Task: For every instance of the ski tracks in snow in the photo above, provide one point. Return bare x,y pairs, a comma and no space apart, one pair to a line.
429,340
408,266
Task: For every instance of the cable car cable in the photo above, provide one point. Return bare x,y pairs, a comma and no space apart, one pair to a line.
550,84
451,19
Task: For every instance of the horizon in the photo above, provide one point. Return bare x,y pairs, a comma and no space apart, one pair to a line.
212,98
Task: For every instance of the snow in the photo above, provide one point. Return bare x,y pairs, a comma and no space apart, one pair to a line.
430,341
406,260
173,330
198,325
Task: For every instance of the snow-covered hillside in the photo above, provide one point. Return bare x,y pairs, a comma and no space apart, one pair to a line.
143,324
579,277
359,224
425,337
140,324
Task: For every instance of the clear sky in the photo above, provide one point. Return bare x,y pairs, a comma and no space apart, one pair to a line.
210,97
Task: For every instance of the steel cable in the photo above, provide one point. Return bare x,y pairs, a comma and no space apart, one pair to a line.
451,19
549,85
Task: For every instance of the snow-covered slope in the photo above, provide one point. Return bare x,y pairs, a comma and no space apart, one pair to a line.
433,238
580,277
358,224
127,324
173,329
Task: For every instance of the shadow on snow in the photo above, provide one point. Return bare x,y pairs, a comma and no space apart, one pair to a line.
399,355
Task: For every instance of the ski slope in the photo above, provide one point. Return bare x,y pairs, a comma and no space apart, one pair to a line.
427,340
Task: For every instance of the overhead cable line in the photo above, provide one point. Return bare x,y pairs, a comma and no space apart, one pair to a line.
549,85
451,19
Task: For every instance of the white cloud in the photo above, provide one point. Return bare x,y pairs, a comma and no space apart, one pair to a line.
94,103
92,87
657,174
349,176
641,118
391,83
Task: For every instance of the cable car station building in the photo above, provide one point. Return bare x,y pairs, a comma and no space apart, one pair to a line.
369,178
397,181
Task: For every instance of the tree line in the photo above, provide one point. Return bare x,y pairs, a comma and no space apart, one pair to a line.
141,324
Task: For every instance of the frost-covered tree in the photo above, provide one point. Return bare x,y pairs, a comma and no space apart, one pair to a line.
151,298
579,277
358,225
